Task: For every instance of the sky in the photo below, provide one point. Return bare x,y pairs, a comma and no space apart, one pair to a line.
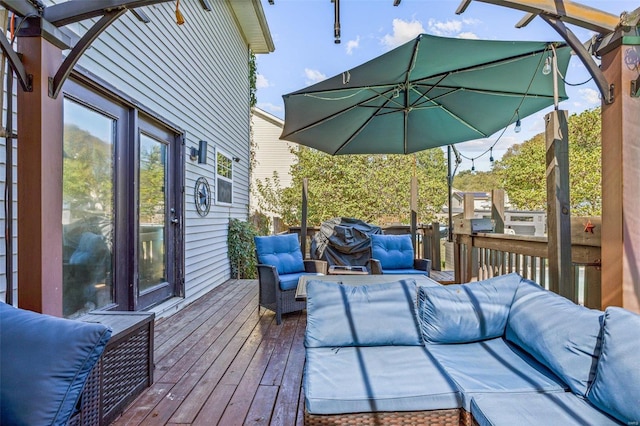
305,52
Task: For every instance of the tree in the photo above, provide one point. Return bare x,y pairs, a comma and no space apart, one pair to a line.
522,168
472,181
374,188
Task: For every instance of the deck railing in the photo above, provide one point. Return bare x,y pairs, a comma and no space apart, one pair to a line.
485,255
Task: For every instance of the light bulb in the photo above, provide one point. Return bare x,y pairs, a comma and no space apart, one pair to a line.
518,126
546,69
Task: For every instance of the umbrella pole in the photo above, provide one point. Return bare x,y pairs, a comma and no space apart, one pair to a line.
303,224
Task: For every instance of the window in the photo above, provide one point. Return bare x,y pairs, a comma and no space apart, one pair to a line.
224,178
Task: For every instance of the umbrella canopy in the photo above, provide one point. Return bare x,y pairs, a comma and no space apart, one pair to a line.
429,92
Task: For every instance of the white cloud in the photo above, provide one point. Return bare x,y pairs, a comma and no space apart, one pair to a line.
313,76
445,29
262,82
591,96
352,44
403,31
269,107
468,35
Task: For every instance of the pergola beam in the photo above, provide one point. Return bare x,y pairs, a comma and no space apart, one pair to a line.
567,11
21,7
74,11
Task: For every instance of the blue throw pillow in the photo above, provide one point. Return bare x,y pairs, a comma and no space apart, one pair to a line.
281,251
616,387
45,362
563,336
463,313
366,315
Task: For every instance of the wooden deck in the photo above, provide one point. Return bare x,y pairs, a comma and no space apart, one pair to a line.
222,361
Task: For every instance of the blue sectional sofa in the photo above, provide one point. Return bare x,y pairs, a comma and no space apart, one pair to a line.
502,351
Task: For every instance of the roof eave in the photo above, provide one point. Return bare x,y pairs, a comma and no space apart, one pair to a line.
253,24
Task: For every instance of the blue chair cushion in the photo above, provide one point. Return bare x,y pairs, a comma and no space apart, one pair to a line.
281,251
290,281
616,387
373,379
393,251
45,362
566,408
493,366
560,334
404,272
366,315
463,313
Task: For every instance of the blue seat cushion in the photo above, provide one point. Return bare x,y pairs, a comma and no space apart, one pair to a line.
372,379
463,313
290,281
404,272
565,409
45,362
616,387
558,333
281,251
493,366
363,315
393,251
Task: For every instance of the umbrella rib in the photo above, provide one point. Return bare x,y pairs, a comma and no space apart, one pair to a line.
354,134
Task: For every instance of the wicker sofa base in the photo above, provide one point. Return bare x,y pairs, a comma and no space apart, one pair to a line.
450,417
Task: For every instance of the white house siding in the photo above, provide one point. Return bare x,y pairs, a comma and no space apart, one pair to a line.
271,153
196,77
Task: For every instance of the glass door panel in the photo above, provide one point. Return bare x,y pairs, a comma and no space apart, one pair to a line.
87,209
152,253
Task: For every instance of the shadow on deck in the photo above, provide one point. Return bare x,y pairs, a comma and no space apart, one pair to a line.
222,361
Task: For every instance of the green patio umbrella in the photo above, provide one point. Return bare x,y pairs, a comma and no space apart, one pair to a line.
429,92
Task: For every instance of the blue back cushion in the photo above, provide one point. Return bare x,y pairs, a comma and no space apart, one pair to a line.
616,387
366,315
563,336
45,362
393,251
281,251
463,313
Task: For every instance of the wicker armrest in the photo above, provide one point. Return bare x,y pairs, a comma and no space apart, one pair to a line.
375,267
317,266
422,264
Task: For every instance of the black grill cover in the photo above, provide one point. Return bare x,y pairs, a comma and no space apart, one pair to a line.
344,241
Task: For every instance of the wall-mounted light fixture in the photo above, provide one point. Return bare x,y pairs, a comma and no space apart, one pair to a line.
200,154
236,159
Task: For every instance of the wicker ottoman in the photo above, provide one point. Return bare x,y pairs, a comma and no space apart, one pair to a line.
124,370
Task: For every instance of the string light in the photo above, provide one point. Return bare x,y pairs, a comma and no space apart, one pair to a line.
491,154
518,126
473,165
546,69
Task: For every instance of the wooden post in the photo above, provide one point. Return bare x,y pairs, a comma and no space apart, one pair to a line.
471,258
621,177
435,247
414,212
558,205
303,224
468,206
40,126
497,210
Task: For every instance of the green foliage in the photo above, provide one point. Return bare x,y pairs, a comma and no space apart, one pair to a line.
241,249
468,181
374,188
253,75
522,168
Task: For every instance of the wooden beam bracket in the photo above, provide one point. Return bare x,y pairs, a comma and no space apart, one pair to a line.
26,80
56,82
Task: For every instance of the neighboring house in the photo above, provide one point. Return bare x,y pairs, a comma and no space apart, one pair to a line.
140,227
271,155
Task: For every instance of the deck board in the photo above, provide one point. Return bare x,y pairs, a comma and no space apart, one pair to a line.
221,360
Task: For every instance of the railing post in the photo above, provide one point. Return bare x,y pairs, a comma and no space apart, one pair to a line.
558,205
434,238
497,210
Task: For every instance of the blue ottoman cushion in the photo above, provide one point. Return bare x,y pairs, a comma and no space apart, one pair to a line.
616,387
45,362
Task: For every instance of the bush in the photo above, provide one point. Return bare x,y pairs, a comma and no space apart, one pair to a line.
241,248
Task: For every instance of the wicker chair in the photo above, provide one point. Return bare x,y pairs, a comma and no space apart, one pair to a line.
280,265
